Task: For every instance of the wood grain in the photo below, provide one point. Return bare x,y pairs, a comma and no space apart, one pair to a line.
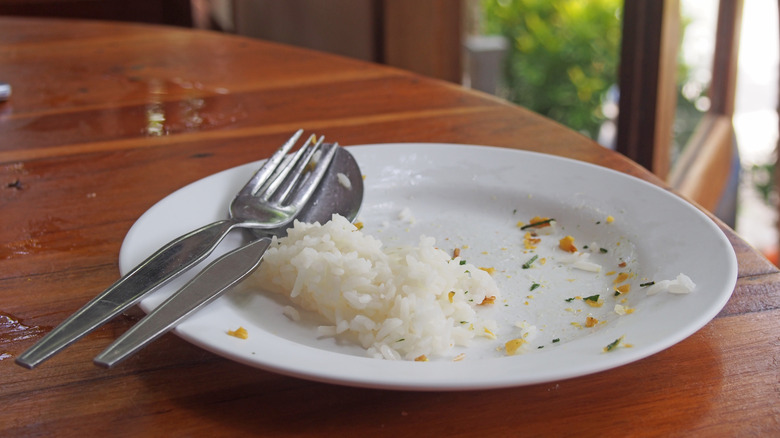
78,166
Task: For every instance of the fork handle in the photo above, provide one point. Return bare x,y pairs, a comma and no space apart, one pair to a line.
165,264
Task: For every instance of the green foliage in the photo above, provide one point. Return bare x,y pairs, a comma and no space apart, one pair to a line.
764,182
563,57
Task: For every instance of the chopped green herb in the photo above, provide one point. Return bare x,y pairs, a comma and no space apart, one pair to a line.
556,340
464,322
528,264
569,300
613,344
649,283
584,246
462,262
598,222
401,340
617,292
534,286
537,224
540,347
593,298
514,211
603,250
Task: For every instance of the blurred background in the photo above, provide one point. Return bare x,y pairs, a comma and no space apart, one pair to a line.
560,58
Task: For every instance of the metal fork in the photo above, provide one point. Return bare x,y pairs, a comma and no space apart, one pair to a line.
271,199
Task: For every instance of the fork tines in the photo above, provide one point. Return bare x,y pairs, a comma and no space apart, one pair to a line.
291,171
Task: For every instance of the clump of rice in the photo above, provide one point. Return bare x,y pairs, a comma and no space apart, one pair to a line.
344,180
680,285
399,303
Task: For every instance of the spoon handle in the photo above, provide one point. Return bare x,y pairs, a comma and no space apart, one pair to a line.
162,266
208,285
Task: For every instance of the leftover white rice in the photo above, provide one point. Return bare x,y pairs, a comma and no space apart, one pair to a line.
399,303
680,285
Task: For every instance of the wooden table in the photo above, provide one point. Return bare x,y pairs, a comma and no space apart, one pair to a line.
82,158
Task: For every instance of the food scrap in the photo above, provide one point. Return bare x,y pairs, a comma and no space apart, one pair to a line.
239,333
621,277
530,262
488,300
291,312
490,270
513,345
593,301
530,241
622,289
344,180
623,310
567,244
680,285
538,222
615,344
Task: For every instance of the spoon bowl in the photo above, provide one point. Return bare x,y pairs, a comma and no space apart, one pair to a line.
334,195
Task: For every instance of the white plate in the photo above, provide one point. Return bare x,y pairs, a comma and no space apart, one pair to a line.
474,196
